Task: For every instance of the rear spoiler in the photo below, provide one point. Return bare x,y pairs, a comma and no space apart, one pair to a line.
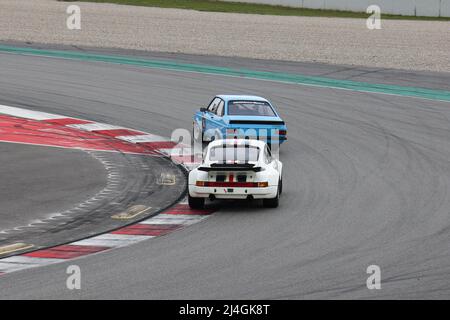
274,122
230,167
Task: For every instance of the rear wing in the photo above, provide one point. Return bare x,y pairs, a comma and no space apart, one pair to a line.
230,167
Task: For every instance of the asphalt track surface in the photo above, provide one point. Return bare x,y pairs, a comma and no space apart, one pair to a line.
53,195
366,181
38,180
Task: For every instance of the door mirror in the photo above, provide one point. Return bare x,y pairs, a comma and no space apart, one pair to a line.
203,109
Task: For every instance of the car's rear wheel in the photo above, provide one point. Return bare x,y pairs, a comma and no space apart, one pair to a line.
196,203
274,202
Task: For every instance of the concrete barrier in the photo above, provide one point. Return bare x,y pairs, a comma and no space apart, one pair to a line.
430,8
445,8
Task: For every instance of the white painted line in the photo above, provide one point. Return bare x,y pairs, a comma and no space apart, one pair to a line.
143,138
31,260
112,240
128,237
94,126
186,219
20,262
28,114
11,267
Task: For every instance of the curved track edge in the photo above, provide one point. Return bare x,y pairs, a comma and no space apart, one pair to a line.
166,220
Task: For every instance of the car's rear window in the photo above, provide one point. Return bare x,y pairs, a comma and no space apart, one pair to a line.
234,154
250,108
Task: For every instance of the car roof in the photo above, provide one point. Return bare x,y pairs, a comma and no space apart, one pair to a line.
229,97
250,142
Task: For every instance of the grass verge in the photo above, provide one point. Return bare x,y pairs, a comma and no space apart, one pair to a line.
239,7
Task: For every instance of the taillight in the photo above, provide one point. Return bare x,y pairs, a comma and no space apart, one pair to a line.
200,183
263,184
283,132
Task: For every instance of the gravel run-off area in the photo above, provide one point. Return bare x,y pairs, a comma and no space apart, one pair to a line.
411,45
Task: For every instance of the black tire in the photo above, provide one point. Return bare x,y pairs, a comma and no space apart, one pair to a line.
196,203
281,186
274,202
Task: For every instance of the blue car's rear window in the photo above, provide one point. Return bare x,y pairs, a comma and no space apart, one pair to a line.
250,108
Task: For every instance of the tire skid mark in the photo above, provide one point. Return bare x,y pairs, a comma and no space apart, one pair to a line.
163,223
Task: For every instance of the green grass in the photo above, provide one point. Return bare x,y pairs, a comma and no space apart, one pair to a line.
237,7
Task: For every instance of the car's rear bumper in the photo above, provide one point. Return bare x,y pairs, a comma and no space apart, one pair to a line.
236,193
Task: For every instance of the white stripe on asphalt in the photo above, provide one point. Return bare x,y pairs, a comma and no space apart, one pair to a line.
174,219
10,267
94,126
31,260
112,240
28,114
22,262
143,138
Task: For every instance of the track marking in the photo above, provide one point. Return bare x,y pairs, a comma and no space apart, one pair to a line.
68,251
95,126
15,247
166,179
112,240
174,219
142,138
44,133
280,77
17,263
29,114
131,212
142,229
164,223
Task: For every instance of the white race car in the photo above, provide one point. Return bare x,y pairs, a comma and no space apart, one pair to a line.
236,169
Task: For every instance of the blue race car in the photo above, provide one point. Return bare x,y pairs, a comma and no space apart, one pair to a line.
237,116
